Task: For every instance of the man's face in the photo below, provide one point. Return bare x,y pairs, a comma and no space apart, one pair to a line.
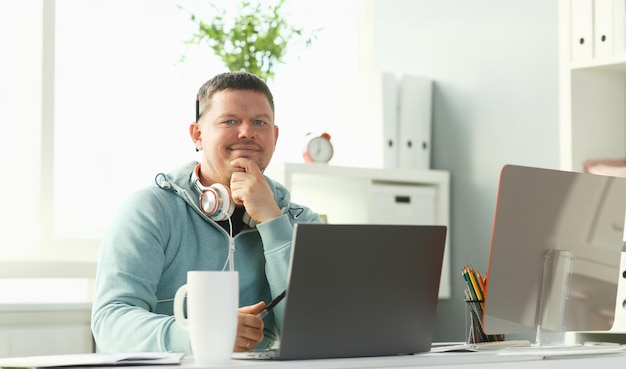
238,123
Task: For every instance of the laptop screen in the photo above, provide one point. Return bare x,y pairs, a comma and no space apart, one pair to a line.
362,290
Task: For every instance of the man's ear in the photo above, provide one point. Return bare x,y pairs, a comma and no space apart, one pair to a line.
275,135
196,135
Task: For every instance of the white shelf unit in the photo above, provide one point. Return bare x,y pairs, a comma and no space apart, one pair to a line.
349,195
593,112
592,104
592,94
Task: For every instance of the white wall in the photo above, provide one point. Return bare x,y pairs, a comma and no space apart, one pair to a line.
494,63
20,117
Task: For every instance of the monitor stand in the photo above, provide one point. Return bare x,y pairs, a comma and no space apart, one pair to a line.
552,302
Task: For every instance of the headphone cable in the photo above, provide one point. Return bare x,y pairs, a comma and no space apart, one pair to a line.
230,259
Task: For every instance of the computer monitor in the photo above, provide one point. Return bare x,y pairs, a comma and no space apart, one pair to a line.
555,251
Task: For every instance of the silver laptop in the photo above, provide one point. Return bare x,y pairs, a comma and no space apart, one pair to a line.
360,290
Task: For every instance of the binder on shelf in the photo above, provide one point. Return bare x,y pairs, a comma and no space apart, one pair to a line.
581,41
414,122
619,27
602,28
376,97
390,118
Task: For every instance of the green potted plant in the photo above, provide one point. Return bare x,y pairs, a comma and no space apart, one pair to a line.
255,40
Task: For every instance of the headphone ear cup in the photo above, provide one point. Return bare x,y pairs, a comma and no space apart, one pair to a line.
228,206
216,202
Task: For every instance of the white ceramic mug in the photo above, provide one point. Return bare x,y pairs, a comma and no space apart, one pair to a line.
212,309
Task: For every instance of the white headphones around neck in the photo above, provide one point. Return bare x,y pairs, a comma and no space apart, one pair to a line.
215,200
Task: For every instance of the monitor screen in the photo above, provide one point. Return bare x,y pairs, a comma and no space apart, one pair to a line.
555,251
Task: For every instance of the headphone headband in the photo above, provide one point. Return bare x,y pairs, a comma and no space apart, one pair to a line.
195,180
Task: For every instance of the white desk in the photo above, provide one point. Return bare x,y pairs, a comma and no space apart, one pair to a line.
434,361
508,358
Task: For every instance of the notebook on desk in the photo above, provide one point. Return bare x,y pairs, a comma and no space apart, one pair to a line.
360,290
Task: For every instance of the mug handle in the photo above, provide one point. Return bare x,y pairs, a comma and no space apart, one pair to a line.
179,313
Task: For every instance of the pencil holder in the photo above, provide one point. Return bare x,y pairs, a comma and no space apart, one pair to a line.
474,324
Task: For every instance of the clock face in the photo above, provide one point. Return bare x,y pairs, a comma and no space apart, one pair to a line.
318,150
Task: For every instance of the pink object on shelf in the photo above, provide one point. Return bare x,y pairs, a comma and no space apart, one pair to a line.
606,167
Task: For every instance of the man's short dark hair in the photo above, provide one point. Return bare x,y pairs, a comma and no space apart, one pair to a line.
230,81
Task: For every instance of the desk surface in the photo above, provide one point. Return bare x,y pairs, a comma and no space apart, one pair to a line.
455,360
603,357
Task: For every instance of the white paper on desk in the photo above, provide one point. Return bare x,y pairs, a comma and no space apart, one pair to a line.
136,358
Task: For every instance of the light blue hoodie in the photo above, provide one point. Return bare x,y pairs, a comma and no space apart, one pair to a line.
159,235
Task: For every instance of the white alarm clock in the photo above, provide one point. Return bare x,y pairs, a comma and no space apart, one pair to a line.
317,148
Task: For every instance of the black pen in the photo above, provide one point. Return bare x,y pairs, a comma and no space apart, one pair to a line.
271,305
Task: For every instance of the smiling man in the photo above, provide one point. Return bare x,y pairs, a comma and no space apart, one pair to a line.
235,131
191,220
